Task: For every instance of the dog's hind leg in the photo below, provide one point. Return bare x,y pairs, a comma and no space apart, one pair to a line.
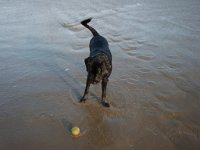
104,86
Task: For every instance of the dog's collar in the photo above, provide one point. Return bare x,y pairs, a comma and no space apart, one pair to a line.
102,54
96,55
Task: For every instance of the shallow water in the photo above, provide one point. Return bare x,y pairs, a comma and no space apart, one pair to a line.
153,90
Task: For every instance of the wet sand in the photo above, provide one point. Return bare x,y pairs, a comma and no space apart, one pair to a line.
153,90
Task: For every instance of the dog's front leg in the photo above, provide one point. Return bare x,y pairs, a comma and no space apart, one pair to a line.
104,86
85,95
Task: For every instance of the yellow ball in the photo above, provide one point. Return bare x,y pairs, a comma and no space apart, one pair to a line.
75,131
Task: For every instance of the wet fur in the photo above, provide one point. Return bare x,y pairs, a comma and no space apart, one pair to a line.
98,64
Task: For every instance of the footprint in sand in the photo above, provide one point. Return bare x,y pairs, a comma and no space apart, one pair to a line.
143,57
72,27
184,84
172,65
145,52
80,46
129,47
114,39
144,70
138,49
131,81
142,54
151,83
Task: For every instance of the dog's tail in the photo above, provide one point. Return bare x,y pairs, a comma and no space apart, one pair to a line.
85,24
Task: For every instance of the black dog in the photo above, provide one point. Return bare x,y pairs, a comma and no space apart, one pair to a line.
98,64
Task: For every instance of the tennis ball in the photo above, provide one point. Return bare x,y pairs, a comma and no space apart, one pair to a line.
75,131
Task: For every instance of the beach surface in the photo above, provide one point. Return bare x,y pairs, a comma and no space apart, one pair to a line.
153,90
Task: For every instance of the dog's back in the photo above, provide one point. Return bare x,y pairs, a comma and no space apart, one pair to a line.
99,44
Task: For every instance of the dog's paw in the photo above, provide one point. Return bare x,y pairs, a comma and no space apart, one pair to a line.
105,104
82,100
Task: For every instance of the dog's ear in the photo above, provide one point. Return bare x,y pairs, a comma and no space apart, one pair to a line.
88,63
104,69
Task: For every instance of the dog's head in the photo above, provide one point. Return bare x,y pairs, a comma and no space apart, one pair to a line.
98,67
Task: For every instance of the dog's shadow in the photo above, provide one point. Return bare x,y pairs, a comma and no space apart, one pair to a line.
71,82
